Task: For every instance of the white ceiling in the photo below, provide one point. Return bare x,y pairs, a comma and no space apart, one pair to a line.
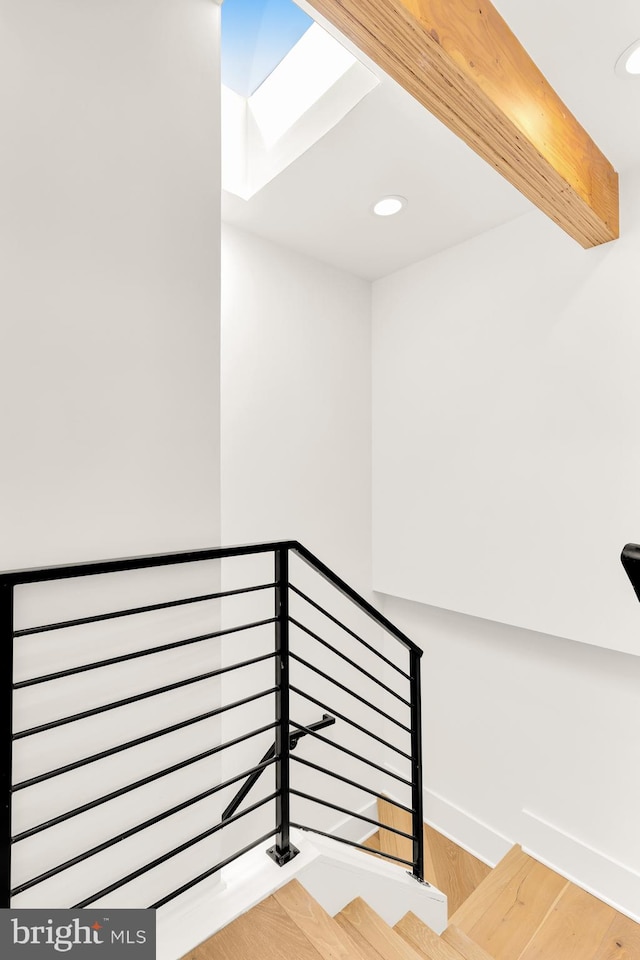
389,144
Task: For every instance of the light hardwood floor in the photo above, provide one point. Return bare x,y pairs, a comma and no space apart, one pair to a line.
520,910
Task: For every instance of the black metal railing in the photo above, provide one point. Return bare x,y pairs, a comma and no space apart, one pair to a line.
292,652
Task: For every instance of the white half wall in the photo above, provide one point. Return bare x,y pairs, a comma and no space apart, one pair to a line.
506,458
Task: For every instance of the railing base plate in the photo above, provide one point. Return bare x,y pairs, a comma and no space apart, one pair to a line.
282,856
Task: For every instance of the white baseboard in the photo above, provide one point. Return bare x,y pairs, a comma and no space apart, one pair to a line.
614,882
608,879
469,832
458,825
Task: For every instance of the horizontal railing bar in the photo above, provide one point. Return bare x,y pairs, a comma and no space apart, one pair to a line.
351,843
132,831
93,568
358,816
351,723
99,617
351,753
139,653
24,784
209,873
345,689
140,783
355,597
351,783
351,633
352,663
94,711
173,853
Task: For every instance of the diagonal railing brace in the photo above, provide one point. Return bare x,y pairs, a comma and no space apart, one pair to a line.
250,782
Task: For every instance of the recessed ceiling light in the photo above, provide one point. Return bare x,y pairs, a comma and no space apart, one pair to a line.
387,206
628,63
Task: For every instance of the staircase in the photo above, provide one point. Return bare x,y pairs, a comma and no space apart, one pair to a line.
446,865
521,910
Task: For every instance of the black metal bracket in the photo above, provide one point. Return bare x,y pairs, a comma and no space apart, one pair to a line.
424,883
282,858
250,782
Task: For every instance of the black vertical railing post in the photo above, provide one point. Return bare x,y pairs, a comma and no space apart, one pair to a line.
283,850
416,765
6,639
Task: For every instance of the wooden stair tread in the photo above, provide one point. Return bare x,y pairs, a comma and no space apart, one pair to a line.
465,946
328,938
446,865
372,842
517,911
478,902
573,930
376,939
363,945
423,939
266,931
621,941
521,911
456,871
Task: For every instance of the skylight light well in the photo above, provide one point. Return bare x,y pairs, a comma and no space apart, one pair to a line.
311,68
256,36
286,83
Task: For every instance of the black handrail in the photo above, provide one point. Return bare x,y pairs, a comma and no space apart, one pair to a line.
91,568
349,592
630,558
252,779
287,731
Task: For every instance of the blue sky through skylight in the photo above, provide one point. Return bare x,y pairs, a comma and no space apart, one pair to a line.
256,36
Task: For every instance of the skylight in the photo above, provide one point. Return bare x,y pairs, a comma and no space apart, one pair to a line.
256,37
286,82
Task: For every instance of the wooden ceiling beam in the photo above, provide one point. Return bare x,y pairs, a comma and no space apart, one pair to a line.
462,62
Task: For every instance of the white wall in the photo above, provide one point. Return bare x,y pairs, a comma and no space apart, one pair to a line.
296,463
296,403
531,739
506,437
506,470
109,246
